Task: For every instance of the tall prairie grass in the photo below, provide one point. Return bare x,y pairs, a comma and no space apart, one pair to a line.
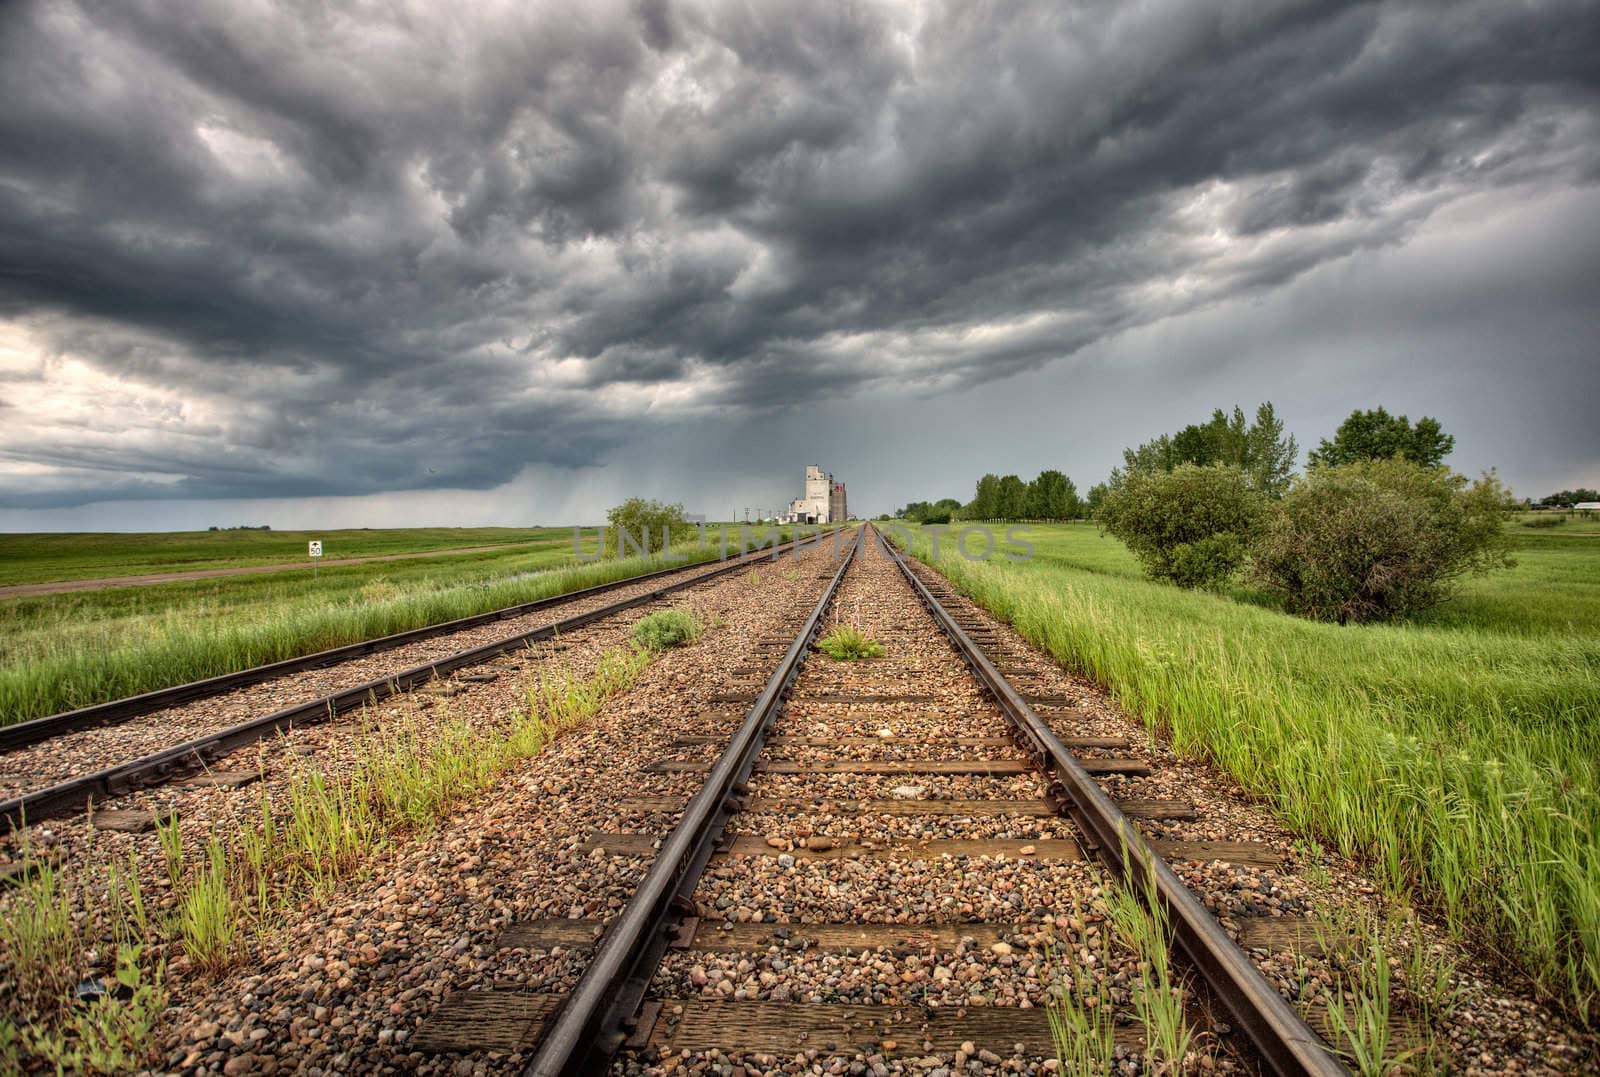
68,651
1460,762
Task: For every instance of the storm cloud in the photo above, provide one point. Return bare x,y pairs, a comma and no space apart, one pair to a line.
289,250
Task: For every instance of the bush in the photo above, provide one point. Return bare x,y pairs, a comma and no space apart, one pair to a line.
848,643
1192,525
667,628
1380,540
650,525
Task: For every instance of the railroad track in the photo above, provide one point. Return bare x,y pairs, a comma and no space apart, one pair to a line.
761,861
120,775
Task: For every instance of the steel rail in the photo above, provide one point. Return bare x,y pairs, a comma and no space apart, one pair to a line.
1285,1043
156,767
36,730
599,1014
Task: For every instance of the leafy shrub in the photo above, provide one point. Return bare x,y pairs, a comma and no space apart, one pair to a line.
848,643
667,628
645,527
1543,521
1192,525
1380,540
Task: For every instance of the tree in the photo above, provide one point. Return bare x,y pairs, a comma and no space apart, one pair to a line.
1261,449
1377,435
1095,499
1563,498
650,525
1269,453
1052,496
1380,539
1012,498
1192,525
985,503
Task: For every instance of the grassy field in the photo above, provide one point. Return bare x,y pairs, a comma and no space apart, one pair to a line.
1458,756
40,558
63,651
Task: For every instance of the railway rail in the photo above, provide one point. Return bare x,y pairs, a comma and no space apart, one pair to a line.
610,1008
156,767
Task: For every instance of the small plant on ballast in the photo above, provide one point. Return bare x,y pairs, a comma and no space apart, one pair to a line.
847,643
667,628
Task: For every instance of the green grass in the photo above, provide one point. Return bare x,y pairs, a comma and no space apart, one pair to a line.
667,628
847,643
1458,756
39,558
63,651
246,880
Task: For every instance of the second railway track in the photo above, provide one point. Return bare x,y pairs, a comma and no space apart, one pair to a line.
916,808
61,763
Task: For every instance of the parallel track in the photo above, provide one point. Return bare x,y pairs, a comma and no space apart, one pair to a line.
603,1011
37,730
157,767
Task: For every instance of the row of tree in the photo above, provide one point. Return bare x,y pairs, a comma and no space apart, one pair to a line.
1563,499
1050,496
1260,449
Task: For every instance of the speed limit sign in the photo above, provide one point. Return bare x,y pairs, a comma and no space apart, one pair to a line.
316,548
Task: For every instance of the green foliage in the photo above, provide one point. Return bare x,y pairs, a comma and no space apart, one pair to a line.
1080,1012
319,829
1260,449
643,528
39,558
1567,498
113,1033
1438,752
1379,540
208,918
923,512
1052,496
667,628
1142,924
1377,435
847,643
71,650
985,503
1191,525
1095,500
1011,498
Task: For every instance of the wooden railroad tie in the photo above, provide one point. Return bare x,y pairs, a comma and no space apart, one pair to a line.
998,768
1133,809
1246,853
511,1020
1274,933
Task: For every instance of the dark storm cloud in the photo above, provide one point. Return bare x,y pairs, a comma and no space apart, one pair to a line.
287,250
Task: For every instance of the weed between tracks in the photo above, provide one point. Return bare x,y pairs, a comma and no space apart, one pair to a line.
321,830
847,643
667,628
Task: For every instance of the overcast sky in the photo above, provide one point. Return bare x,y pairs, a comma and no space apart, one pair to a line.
460,263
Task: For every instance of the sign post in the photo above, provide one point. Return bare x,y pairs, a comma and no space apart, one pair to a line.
314,550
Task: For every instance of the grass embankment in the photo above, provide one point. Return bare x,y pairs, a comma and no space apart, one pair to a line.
1458,756
63,651
41,558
